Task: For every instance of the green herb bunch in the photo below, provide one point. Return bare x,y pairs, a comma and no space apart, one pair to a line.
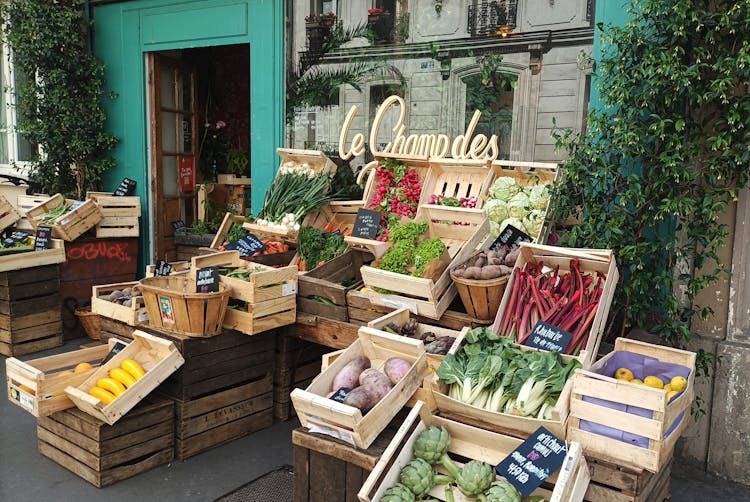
316,245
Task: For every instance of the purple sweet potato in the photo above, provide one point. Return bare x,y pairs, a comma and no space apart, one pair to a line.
360,398
396,369
349,375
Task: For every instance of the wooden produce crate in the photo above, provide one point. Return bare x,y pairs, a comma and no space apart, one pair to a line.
216,419
569,485
132,316
272,260
503,423
230,220
16,261
72,224
9,215
116,206
457,178
233,179
269,293
297,364
659,431
347,422
38,385
178,268
426,296
361,310
590,261
326,281
158,357
328,332
23,204
342,214
118,226
105,454
30,315
618,483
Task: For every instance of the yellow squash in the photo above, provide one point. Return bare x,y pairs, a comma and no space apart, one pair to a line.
111,385
133,368
122,376
103,395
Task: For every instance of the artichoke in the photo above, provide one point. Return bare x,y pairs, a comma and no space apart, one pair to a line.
432,446
503,491
398,493
418,477
475,478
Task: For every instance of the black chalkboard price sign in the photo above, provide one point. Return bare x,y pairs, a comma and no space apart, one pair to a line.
126,188
536,459
511,237
247,246
43,238
207,280
177,225
547,337
341,394
162,268
367,224
15,237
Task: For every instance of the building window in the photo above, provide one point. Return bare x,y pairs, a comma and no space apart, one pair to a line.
491,17
321,6
495,100
15,150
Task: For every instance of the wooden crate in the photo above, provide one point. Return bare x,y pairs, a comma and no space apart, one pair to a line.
503,423
118,226
72,224
30,316
9,215
178,268
297,364
272,260
457,178
16,261
426,296
115,205
616,483
269,293
656,429
100,304
45,379
591,261
24,203
229,221
569,485
325,281
219,418
233,179
105,454
328,332
347,422
158,357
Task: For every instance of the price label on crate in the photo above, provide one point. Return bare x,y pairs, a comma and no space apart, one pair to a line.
341,394
116,348
545,336
511,237
15,238
126,188
247,246
536,459
162,268
207,280
43,238
178,225
367,224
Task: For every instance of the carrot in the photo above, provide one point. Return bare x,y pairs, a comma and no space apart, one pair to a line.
302,266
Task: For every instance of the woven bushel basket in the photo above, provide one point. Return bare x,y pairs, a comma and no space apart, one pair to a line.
173,305
90,322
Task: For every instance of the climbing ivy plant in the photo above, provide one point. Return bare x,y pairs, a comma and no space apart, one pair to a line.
664,156
60,108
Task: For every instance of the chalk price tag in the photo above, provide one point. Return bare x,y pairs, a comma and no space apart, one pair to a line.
367,224
43,238
15,237
162,268
246,246
545,336
178,225
340,394
511,237
126,188
116,348
536,459
207,280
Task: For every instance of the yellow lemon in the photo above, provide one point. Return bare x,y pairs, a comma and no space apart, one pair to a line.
668,388
654,382
636,381
81,367
678,383
671,394
624,374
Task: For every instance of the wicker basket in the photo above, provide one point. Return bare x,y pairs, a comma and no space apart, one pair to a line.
481,297
173,305
90,322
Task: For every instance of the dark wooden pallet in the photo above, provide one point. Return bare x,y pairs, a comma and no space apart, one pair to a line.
615,483
30,333
105,454
216,419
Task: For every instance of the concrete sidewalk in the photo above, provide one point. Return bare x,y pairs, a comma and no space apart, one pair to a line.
25,475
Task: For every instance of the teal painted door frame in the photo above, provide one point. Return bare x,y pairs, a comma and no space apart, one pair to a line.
125,32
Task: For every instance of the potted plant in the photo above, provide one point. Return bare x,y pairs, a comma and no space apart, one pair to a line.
380,24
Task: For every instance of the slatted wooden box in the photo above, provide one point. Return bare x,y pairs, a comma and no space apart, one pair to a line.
297,364
457,178
16,261
38,385
568,485
120,214
620,483
133,315
346,422
9,215
158,357
30,315
73,223
24,203
105,454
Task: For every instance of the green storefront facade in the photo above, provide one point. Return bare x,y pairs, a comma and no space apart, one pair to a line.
126,31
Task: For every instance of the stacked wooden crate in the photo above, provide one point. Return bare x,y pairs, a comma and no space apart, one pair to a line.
297,364
79,217
30,315
617,483
120,214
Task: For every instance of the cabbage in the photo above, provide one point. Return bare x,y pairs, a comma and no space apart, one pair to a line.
504,189
532,224
538,196
494,229
511,221
519,206
496,210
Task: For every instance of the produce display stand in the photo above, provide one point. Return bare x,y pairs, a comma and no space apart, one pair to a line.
100,304
9,215
469,443
30,301
105,454
617,483
120,214
661,430
72,224
38,385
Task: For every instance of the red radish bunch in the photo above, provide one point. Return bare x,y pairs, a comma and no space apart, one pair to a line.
568,301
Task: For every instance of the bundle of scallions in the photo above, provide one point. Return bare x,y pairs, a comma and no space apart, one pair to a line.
296,191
